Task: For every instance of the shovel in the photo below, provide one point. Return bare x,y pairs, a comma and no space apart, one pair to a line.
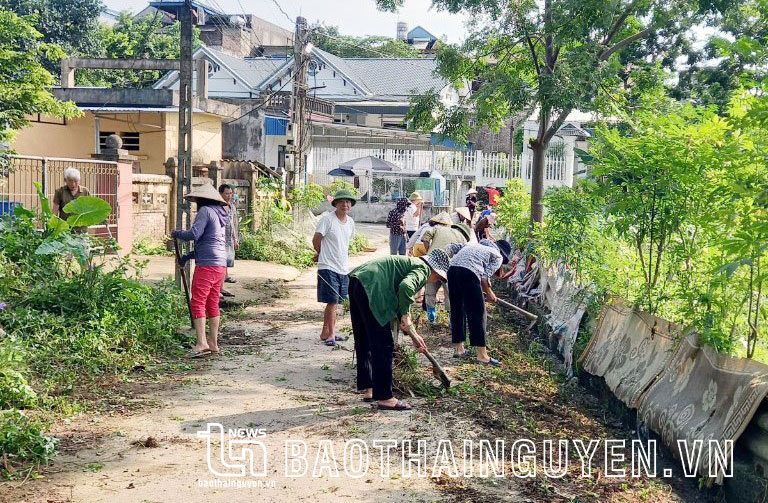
437,370
183,274
520,311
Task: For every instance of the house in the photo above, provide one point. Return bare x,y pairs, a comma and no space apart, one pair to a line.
241,35
421,39
146,119
355,92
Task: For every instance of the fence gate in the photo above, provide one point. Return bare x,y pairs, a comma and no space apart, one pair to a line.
101,178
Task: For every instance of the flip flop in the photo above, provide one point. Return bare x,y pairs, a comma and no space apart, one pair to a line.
492,362
230,280
400,405
368,400
227,294
330,341
198,354
466,354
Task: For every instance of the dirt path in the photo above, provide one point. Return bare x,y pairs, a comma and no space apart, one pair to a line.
273,375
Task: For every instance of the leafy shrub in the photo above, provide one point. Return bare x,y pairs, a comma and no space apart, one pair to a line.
14,390
148,247
260,245
514,211
359,243
23,441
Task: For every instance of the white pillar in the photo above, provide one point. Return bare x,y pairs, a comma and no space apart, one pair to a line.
570,160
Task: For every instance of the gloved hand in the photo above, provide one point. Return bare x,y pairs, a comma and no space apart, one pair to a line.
185,258
175,233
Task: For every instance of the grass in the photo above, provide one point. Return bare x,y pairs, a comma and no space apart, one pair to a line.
528,398
146,246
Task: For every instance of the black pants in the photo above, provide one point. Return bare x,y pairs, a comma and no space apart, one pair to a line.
374,346
467,306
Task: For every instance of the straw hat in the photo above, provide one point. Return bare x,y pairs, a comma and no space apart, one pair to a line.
464,212
471,191
442,218
206,191
414,197
438,261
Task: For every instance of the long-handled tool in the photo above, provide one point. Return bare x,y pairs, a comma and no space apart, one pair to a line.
520,311
437,370
183,274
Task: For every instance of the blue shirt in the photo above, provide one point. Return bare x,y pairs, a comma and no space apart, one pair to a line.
209,233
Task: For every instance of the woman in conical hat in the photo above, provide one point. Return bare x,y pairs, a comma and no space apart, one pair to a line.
210,253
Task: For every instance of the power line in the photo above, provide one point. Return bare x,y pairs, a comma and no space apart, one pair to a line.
280,8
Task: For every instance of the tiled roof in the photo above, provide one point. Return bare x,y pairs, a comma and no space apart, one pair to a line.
397,76
253,70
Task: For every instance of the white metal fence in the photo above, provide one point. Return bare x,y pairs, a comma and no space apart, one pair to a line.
483,167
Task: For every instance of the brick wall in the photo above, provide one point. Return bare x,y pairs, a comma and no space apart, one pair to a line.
151,206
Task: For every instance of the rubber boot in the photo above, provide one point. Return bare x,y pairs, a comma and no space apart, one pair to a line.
432,314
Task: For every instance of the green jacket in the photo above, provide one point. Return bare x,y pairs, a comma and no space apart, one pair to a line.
391,284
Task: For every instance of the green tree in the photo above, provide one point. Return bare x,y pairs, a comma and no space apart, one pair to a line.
71,24
132,38
24,83
553,56
330,40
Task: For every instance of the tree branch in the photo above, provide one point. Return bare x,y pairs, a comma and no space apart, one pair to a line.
616,28
623,43
533,54
556,125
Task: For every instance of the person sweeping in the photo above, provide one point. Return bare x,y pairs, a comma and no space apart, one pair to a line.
210,254
469,277
382,291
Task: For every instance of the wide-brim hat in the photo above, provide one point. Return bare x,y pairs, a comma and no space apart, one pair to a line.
438,261
415,196
471,191
505,248
206,191
442,218
344,194
464,229
464,212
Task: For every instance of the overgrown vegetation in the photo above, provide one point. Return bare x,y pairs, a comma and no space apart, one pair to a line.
68,325
148,247
676,222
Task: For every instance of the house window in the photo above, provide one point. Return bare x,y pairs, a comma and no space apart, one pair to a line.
46,119
130,139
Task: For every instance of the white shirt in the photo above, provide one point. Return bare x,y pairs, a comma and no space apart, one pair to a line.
411,220
334,248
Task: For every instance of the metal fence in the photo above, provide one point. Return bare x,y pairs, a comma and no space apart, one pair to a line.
17,179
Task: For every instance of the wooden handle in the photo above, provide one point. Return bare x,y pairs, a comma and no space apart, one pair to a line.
436,366
517,309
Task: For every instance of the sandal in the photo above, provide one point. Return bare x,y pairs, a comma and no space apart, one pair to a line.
466,354
330,341
198,354
368,400
400,405
225,293
493,362
230,280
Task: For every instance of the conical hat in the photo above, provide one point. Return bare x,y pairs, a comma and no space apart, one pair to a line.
464,212
206,191
442,218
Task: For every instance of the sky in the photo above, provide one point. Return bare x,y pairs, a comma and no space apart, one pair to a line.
353,17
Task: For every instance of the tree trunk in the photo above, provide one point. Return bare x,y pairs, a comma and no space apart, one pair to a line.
537,180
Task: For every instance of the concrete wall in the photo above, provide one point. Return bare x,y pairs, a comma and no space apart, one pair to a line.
206,139
245,138
158,138
151,199
364,212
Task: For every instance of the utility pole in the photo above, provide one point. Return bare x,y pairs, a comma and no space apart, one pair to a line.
297,128
184,173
